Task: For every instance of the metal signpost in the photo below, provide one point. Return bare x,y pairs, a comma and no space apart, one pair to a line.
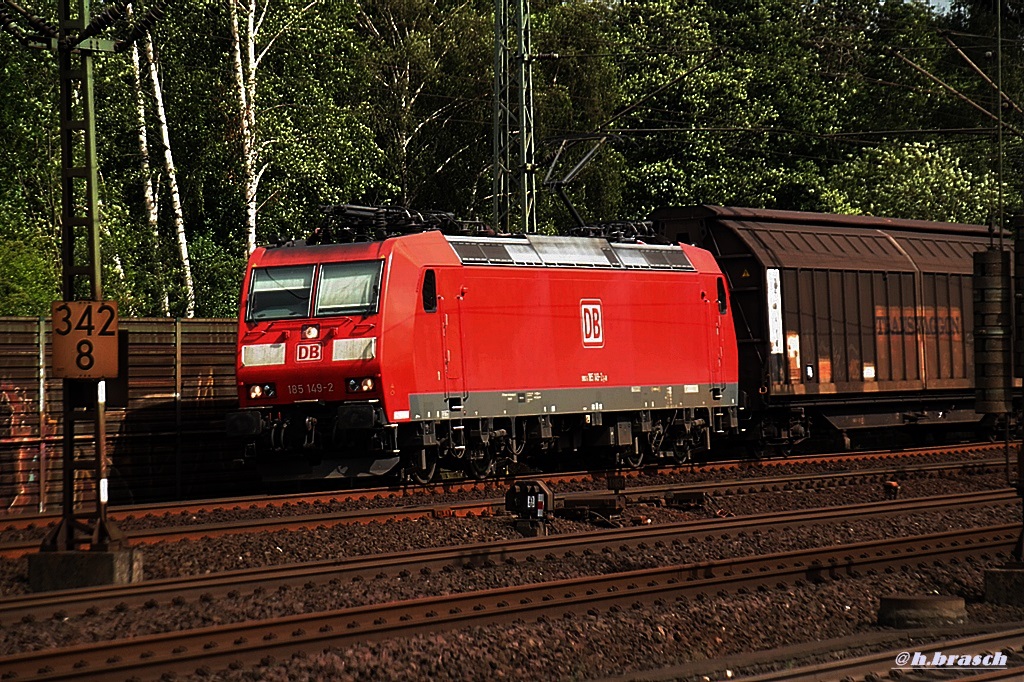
84,349
85,327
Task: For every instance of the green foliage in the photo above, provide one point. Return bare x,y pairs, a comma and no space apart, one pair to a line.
577,93
822,105
318,146
916,180
420,63
30,281
218,273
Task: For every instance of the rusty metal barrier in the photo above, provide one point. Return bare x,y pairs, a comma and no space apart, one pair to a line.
168,443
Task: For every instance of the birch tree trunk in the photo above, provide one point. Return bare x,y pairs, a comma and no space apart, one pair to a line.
172,178
148,182
246,65
245,88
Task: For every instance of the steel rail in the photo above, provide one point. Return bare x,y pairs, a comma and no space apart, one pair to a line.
787,657
490,506
756,484
231,645
120,513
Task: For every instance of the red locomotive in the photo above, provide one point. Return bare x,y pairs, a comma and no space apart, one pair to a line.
430,349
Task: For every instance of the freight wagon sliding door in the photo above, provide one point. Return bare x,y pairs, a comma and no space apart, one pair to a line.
941,326
897,343
851,331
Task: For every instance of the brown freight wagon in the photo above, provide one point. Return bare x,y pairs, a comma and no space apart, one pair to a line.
844,322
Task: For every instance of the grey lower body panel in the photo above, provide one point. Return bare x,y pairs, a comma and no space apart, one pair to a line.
498,404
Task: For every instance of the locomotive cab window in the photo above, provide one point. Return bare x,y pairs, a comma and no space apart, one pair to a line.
349,288
429,292
723,303
280,292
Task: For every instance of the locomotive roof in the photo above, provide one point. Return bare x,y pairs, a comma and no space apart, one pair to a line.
792,239
522,251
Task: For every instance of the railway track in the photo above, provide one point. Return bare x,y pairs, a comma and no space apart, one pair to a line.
415,494
235,644
71,602
495,505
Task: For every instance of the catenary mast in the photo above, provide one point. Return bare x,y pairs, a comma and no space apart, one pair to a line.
515,187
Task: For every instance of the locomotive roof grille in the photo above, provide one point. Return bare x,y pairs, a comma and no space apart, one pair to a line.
573,252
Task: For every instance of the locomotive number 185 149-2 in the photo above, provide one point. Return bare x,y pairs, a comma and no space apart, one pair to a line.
310,389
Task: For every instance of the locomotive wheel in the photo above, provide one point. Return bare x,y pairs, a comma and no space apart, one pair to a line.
479,461
682,453
415,472
630,458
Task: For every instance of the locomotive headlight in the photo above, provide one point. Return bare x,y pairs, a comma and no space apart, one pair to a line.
258,391
311,331
360,385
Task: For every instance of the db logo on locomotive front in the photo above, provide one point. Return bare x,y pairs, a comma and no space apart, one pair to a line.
307,352
592,319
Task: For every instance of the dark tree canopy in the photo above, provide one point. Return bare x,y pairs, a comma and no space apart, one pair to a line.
863,106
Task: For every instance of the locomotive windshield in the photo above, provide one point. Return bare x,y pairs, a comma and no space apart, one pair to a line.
342,289
348,288
278,293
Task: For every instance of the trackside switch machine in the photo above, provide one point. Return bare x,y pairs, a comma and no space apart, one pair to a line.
532,502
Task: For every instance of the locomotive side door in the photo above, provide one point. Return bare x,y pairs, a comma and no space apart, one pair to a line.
716,310
451,347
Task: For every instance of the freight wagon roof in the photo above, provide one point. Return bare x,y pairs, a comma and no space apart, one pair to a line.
791,239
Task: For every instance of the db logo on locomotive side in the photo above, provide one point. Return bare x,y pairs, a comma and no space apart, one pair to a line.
307,352
592,319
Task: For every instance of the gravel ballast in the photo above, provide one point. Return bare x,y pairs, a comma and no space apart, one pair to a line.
581,647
